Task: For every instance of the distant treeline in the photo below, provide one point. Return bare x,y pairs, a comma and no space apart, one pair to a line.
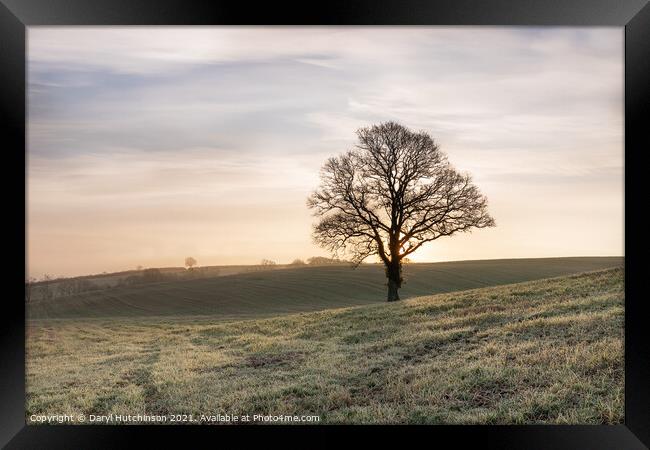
323,261
313,261
47,288
50,288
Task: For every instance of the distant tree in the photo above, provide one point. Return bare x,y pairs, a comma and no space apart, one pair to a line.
390,195
190,262
268,262
138,267
297,262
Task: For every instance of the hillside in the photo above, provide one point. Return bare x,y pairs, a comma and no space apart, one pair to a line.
547,351
289,290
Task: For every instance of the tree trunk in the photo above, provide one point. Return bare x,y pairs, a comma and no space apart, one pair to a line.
394,275
393,295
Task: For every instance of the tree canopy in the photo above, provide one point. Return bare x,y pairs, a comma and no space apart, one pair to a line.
390,194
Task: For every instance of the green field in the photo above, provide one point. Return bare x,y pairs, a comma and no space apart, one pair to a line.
289,290
545,351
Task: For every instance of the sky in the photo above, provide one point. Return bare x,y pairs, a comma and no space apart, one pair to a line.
150,144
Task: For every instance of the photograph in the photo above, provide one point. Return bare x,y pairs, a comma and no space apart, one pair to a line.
324,225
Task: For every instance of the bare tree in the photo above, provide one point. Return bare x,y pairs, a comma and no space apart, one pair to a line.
190,262
391,194
297,262
268,262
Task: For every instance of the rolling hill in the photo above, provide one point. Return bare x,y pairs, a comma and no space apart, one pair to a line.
303,289
546,351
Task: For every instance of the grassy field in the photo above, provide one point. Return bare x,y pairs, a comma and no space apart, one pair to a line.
290,290
546,351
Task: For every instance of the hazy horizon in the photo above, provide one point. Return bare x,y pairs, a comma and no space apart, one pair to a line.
288,263
150,144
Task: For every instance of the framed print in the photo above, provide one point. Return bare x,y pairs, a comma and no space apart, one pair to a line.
377,218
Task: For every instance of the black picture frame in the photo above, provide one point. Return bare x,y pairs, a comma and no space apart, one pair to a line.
634,15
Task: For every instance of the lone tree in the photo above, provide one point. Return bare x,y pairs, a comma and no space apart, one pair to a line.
392,193
190,262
